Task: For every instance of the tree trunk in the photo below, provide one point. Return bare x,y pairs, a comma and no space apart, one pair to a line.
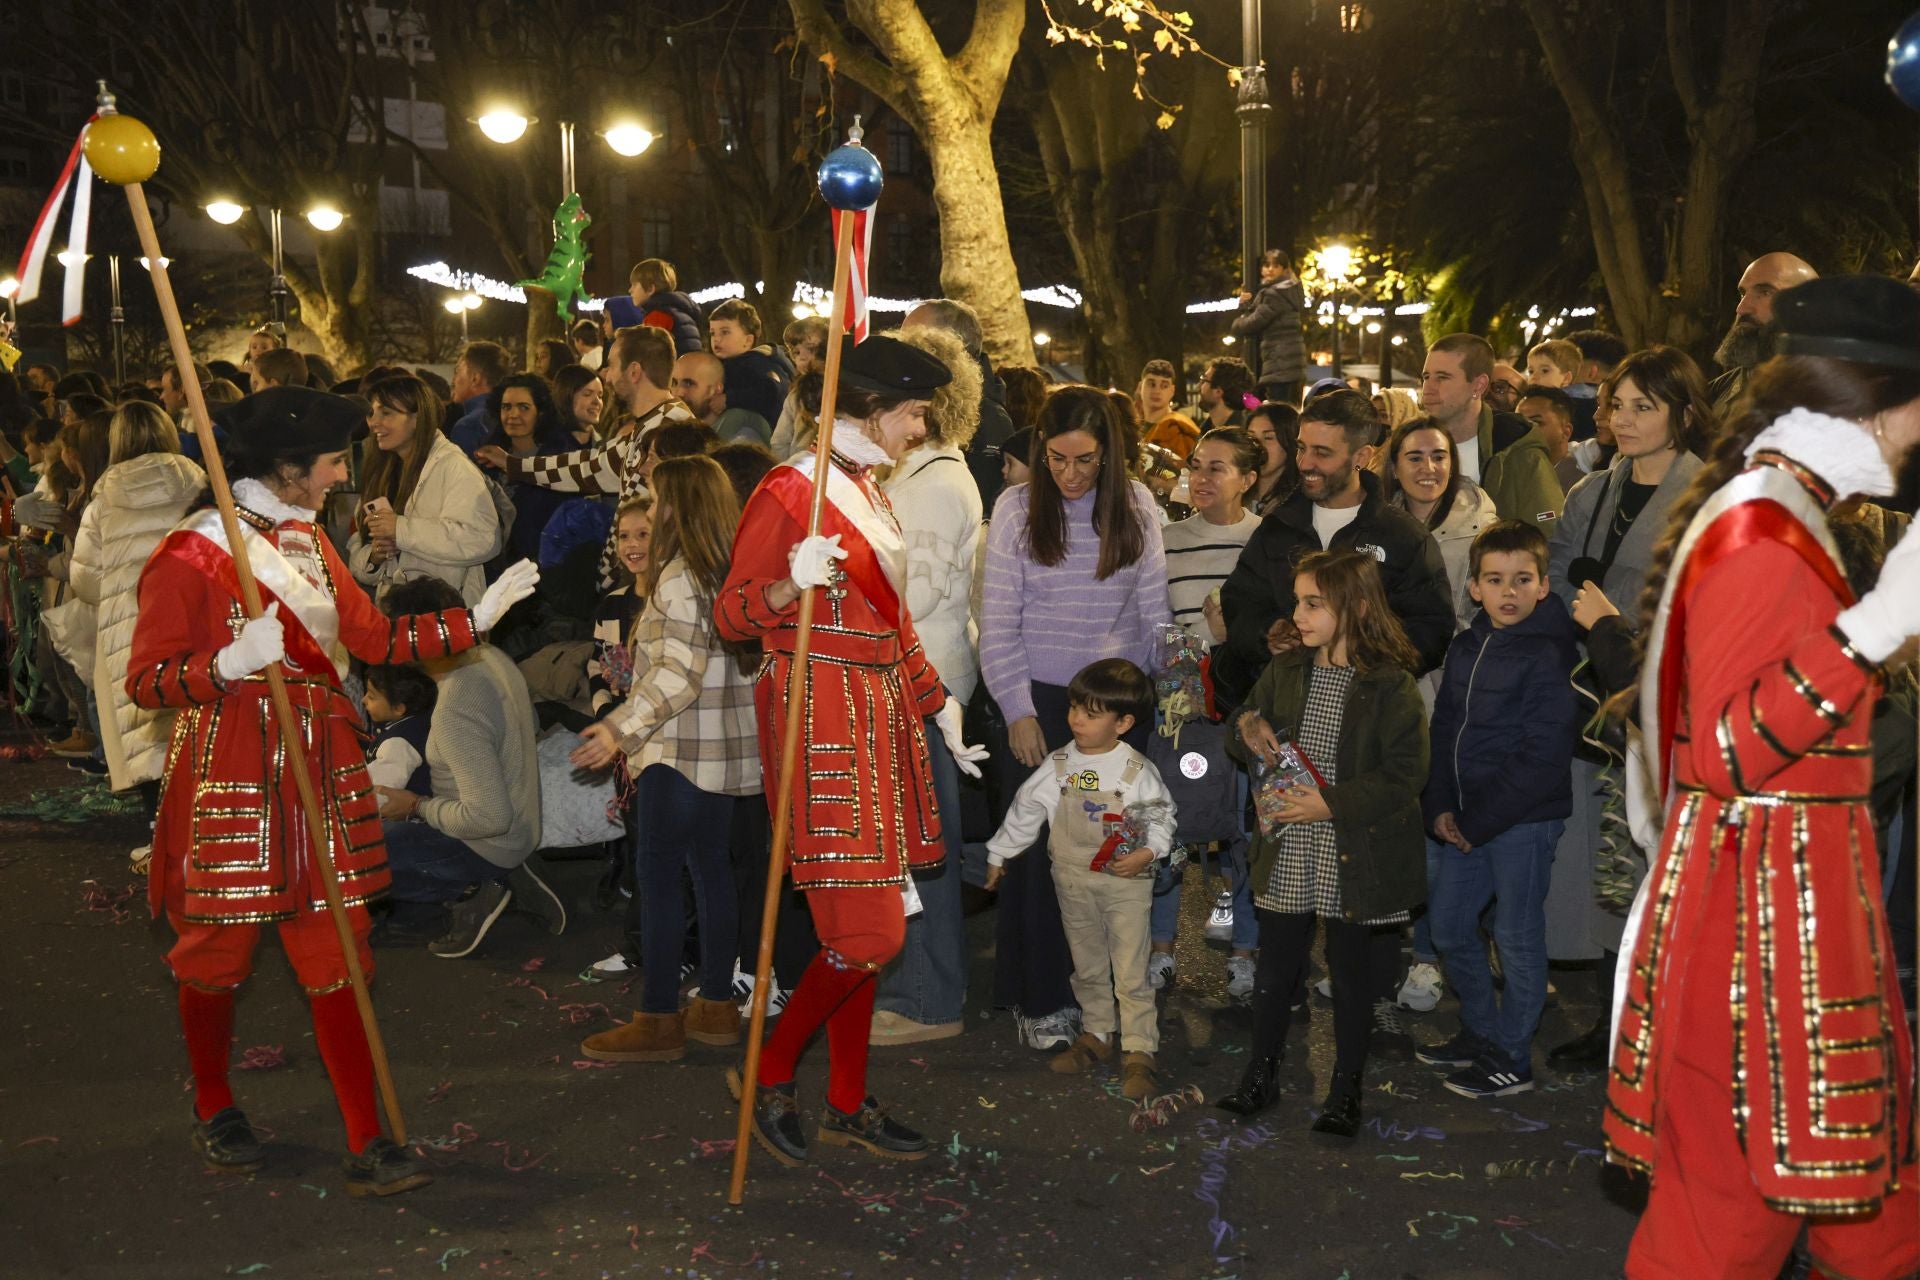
336,300
976,257
543,320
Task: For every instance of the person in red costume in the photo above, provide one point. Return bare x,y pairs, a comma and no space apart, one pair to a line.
1761,1065
231,849
863,802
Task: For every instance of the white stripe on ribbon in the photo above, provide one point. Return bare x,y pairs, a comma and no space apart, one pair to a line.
70,297
855,317
34,260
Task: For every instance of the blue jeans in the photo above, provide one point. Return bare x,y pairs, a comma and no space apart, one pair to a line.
1164,916
928,983
430,869
678,828
1512,871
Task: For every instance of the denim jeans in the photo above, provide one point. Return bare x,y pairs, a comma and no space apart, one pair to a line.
1164,919
430,869
682,828
1512,871
928,982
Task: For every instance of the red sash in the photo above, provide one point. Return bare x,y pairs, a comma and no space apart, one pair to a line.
793,489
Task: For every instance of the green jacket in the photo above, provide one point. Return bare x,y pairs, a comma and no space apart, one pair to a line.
1517,471
1382,767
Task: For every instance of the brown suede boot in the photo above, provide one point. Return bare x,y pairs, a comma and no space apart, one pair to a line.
1080,1056
713,1021
650,1037
1137,1079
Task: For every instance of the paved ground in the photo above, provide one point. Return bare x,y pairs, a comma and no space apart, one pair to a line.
550,1166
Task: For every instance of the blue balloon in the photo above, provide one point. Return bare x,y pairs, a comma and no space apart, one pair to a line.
850,178
1903,62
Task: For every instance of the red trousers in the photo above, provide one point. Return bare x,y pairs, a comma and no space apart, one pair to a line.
1705,1219
219,957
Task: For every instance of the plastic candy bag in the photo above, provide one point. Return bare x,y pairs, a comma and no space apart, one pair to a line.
1179,692
1271,782
1129,830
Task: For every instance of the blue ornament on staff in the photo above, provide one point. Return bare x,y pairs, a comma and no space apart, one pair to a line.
850,180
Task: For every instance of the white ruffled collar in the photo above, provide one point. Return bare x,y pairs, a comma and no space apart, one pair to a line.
1838,450
850,441
259,499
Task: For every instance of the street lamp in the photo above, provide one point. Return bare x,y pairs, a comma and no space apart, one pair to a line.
503,125
321,217
460,305
1252,108
324,217
1336,263
628,139
225,212
9,288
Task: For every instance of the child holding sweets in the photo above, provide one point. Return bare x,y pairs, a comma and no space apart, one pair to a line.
610,669
1499,797
1088,794
1349,851
399,705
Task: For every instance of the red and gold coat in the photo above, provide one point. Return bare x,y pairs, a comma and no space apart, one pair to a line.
863,802
1757,714
231,844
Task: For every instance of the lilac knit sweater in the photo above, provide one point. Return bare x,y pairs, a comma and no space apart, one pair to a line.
1046,622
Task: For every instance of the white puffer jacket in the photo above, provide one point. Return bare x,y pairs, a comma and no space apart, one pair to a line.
135,504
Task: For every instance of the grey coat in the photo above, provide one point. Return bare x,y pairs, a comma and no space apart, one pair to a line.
1269,326
1582,531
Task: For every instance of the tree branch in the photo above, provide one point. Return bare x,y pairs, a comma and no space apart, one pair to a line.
818,30
1680,56
982,63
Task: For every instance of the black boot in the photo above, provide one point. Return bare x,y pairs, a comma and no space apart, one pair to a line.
1587,1052
1340,1116
1259,1088
227,1142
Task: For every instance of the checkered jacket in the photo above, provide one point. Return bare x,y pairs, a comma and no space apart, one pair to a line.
689,706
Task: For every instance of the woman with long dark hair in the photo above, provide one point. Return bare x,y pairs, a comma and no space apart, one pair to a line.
1762,1070
1423,479
1276,427
424,506
530,426
1076,572
580,399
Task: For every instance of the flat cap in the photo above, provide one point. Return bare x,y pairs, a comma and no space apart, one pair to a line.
889,367
289,422
1864,319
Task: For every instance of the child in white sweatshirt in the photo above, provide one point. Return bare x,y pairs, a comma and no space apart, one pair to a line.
1109,820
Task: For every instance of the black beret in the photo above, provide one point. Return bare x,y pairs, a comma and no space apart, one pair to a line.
1864,319
289,422
889,367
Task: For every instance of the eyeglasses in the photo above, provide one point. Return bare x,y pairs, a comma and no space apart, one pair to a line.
1057,463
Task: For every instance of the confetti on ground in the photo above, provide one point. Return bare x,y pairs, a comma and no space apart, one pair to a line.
34,1142
263,1057
1157,1113
451,1254
440,1091
991,1106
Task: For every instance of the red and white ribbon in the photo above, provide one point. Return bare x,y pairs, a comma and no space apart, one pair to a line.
34,260
855,319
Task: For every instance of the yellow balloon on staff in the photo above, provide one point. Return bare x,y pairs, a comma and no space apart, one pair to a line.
122,150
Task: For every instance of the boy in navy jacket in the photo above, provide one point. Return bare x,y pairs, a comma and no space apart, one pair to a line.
1497,798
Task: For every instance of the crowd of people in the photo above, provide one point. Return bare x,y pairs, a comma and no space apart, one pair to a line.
1356,643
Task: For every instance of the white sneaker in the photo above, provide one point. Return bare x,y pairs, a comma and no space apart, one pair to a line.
1220,919
1159,969
1053,1032
1239,976
140,860
1421,991
1325,988
743,992
613,969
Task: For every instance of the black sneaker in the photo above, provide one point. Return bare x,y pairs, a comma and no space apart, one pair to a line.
536,897
226,1142
383,1169
1491,1075
1390,1038
1458,1053
870,1127
776,1119
471,921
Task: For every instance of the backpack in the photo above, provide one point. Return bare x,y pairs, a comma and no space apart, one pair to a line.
1201,778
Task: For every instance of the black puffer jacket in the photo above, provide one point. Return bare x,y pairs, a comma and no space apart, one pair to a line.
1269,325
983,451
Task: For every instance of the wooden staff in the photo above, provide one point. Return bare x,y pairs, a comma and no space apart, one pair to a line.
276,684
796,700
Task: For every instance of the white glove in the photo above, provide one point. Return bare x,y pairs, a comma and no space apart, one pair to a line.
509,589
261,643
967,758
808,561
36,510
1889,615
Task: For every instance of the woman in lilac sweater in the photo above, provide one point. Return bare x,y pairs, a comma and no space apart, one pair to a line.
1075,573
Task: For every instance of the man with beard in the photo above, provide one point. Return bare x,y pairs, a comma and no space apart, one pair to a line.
1749,341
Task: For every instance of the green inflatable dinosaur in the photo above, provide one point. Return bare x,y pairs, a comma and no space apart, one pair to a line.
568,261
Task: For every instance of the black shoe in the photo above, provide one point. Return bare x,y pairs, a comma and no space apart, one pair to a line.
776,1119
227,1143
1259,1089
383,1169
1390,1038
89,766
1340,1116
870,1127
1586,1052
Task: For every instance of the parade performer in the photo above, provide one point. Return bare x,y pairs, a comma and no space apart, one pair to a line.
863,807
1762,1070
231,851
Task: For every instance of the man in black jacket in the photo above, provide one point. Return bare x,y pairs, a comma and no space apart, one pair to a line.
1338,505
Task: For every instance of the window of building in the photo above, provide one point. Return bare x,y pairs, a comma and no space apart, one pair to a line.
13,89
14,166
899,146
656,231
900,247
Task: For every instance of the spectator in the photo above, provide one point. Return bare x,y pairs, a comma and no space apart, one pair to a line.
1503,393
1275,428
280,367
687,733
268,337
746,465
173,396
1423,481
530,427
1498,451
983,455
1154,394
1223,394
579,401
481,367
699,379
1176,434
219,369
1599,352
674,440
1659,413
1553,363
41,379
476,832
1075,570
320,375
1550,411
216,393
425,508
639,366
932,494
399,706
584,338
1337,506
1749,340
1268,328
1016,458
550,357
1347,851
806,344
757,375
1498,801
654,299
1026,393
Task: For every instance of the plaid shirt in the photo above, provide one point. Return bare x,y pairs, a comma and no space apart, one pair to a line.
605,466
689,707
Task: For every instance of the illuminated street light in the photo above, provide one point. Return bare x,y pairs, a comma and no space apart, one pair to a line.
801,311
455,306
627,138
1042,338
503,126
8,288
148,262
225,212
69,259
470,301
1226,339
324,217
1336,261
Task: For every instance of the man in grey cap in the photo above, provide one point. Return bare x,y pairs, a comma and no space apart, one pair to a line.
983,454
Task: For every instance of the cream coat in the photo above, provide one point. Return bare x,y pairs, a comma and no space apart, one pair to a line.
135,505
449,531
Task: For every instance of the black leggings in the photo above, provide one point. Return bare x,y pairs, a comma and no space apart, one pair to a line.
1285,939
